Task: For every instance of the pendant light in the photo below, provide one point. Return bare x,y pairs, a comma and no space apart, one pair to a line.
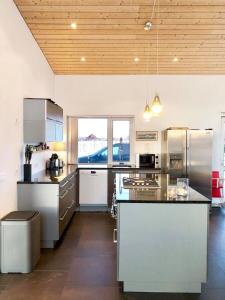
147,113
156,104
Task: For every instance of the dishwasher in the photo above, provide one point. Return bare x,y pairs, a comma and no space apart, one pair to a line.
93,188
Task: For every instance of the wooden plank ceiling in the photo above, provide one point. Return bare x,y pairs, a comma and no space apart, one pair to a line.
110,35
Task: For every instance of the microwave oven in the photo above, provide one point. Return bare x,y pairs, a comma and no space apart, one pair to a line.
150,161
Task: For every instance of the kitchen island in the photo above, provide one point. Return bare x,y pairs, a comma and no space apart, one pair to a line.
161,238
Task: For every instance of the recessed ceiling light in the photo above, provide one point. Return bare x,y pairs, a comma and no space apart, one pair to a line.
83,59
136,59
175,59
73,25
148,25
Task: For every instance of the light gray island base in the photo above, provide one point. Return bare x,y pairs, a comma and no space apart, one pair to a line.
162,247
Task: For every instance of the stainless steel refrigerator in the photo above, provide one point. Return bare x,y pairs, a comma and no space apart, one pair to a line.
188,153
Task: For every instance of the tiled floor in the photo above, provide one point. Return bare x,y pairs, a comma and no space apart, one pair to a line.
83,266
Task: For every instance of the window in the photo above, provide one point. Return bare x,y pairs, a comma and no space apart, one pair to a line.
101,140
121,141
92,140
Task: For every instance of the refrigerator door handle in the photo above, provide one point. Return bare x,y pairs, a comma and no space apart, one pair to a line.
188,154
188,162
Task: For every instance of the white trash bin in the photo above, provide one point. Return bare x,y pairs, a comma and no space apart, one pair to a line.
20,241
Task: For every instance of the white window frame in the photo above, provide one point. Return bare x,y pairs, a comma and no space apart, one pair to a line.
72,134
132,139
222,134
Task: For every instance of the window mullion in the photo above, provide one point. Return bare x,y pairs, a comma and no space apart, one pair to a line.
110,143
131,136
132,141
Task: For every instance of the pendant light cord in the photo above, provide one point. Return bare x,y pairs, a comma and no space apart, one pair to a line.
148,53
153,9
148,57
146,81
157,40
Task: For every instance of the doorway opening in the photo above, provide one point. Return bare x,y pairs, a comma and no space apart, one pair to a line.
223,148
219,200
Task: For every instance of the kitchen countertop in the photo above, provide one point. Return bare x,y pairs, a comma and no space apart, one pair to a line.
57,176
165,194
52,177
114,167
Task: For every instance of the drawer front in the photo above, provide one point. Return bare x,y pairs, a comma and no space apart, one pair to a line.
66,193
66,201
71,190
64,220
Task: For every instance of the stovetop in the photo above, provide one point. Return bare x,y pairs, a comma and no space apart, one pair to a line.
143,183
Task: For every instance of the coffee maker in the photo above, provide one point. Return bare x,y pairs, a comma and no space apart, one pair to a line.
54,163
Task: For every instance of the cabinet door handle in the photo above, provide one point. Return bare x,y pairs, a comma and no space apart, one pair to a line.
68,208
63,196
115,235
72,186
72,177
63,217
64,184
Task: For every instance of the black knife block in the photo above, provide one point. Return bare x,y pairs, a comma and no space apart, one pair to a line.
27,171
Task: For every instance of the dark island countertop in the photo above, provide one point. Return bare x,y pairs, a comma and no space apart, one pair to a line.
166,193
51,177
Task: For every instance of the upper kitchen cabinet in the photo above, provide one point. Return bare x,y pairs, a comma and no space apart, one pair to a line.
43,121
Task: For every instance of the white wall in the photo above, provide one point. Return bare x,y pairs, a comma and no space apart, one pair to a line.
24,72
192,101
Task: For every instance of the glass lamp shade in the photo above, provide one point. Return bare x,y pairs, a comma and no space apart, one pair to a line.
147,113
156,105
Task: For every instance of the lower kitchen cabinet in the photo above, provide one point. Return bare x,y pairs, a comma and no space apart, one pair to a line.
56,202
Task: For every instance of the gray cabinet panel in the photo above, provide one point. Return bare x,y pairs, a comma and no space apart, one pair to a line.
156,256
51,112
43,121
59,114
56,203
34,131
54,111
58,132
34,109
43,198
50,132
